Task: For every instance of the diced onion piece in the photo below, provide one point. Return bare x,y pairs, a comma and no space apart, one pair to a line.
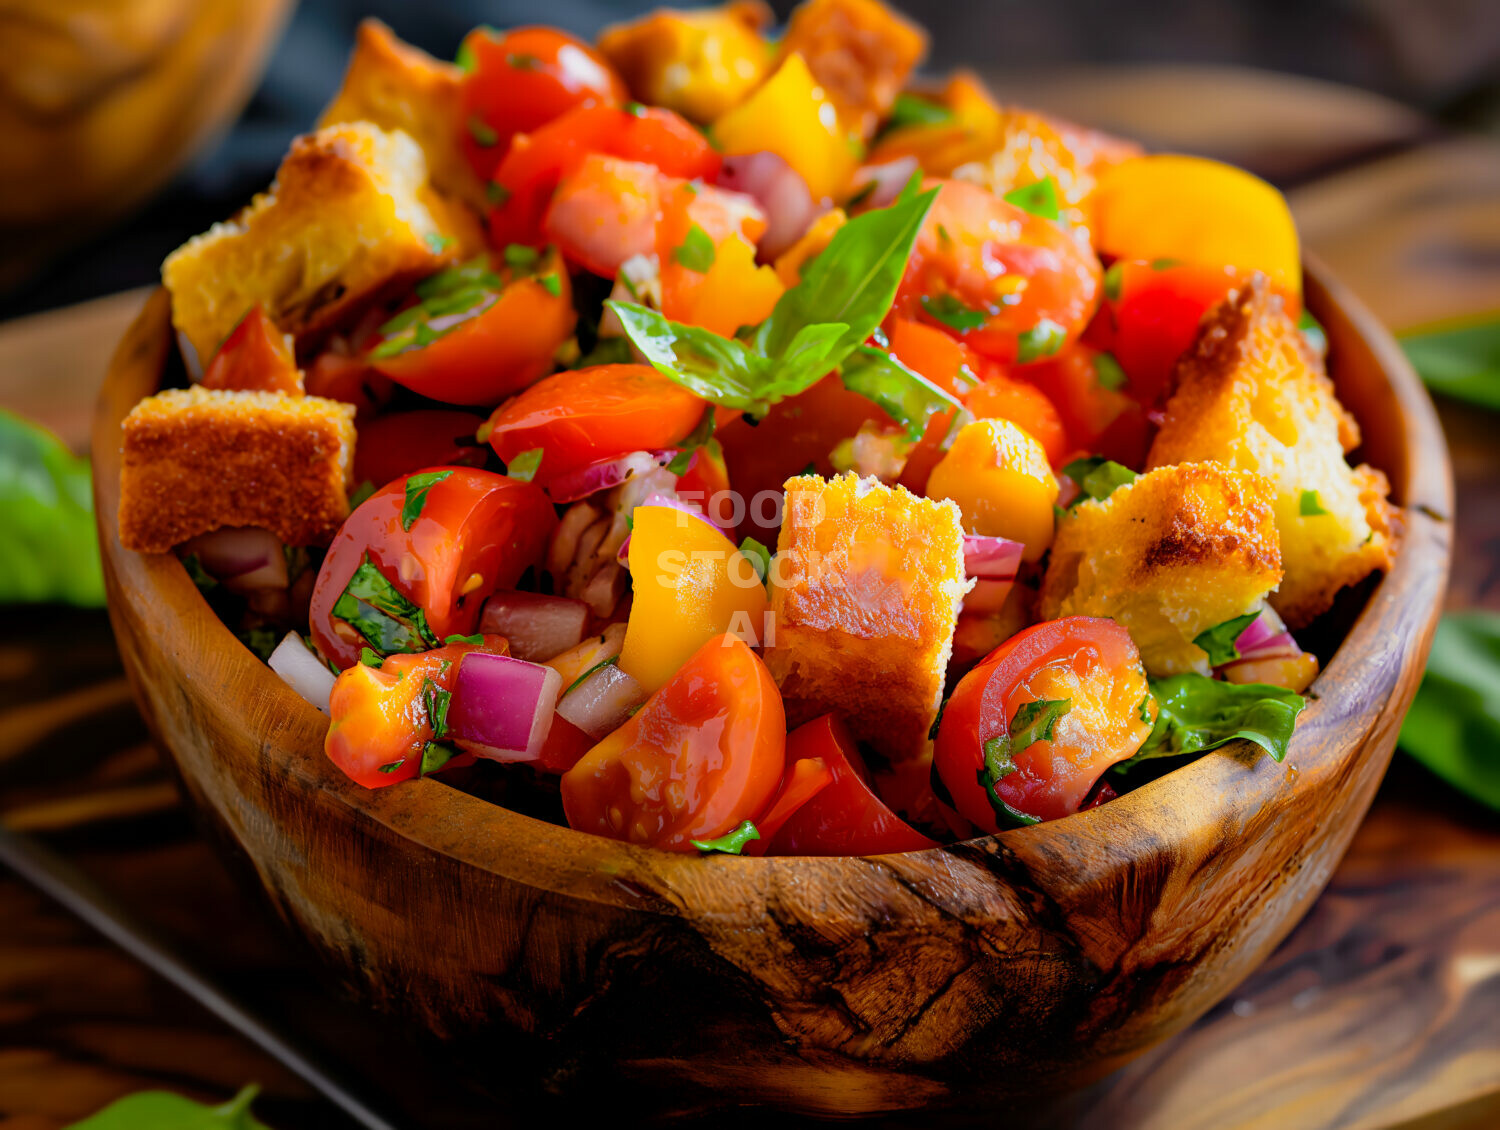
502,707
780,190
576,661
602,702
302,670
1264,634
987,598
244,559
605,475
992,559
889,179
537,627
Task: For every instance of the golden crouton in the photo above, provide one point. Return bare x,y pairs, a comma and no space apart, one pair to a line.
701,63
1253,395
867,585
860,51
400,87
199,459
1170,555
350,216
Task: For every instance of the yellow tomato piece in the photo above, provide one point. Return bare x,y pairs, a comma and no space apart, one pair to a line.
691,584
999,476
734,292
701,63
793,117
1167,206
812,244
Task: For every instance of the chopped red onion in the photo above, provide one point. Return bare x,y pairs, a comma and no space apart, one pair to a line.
889,179
602,702
1266,637
302,670
502,707
537,627
779,189
605,475
245,559
992,559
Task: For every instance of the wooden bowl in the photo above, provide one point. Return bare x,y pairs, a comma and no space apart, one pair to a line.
1009,965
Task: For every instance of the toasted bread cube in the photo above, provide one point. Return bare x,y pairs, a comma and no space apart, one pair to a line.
867,585
349,216
1251,394
861,52
200,459
1176,552
400,87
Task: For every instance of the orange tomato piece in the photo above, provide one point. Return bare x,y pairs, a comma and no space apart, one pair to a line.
255,357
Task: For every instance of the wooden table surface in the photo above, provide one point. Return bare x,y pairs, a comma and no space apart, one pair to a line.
1381,1010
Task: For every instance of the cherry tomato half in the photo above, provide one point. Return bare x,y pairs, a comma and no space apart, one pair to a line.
380,716
255,357
529,173
703,755
470,533
521,79
846,817
402,443
588,415
1089,664
1015,287
503,335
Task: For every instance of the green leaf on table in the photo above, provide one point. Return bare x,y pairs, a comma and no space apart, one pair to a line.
1453,726
1461,361
162,1110
907,397
1219,641
1196,714
50,550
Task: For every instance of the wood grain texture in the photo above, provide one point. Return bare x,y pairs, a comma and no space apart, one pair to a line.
1032,961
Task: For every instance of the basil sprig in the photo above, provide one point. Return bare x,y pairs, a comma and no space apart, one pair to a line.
906,396
814,327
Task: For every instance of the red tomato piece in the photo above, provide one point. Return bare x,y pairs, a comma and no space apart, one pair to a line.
472,533
380,723
703,755
521,79
845,817
804,779
587,415
402,443
255,357
1091,664
527,177
1097,419
1013,286
503,336
337,375
564,748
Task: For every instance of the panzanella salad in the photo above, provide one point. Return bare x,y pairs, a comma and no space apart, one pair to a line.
708,439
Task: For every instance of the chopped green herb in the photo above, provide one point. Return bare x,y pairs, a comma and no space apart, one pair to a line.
519,257
1144,709
437,242
1097,477
697,251
435,755
700,435
524,466
907,397
465,60
635,109
435,699
1039,198
482,133
417,487
1042,340
731,844
912,110
370,658
260,641
1313,331
758,556
1114,278
949,310
361,493
613,659
1310,505
388,620
476,639
201,576
1108,373
1036,722
1220,640
1165,264
551,283
521,61
392,766
937,721
943,235
496,193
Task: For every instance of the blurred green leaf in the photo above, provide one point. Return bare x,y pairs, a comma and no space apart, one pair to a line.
48,549
1462,362
1453,726
162,1110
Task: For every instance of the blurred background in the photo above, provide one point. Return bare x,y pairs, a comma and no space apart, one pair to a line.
1420,64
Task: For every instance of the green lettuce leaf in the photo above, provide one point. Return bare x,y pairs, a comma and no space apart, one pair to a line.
50,550
1453,727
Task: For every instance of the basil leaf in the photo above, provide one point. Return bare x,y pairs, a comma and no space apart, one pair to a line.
417,487
1109,373
1453,727
697,251
852,281
392,766
162,1110
906,397
520,257
1036,721
1196,714
524,466
370,657
50,549
758,556
1114,278
390,622
476,639
1461,362
702,432
1039,198
731,844
912,110
1042,340
1219,641
434,756
953,313
1310,505
721,370
1098,477
998,764
435,699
